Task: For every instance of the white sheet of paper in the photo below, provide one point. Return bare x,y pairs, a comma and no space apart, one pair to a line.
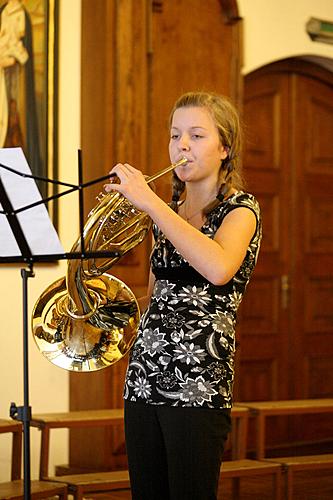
36,224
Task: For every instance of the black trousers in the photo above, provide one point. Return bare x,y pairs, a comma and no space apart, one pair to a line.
174,453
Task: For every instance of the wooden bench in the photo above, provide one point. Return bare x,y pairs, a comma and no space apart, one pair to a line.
100,418
78,484
237,469
13,490
95,482
15,428
264,409
70,420
291,465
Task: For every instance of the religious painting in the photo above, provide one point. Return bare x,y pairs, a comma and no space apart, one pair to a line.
28,93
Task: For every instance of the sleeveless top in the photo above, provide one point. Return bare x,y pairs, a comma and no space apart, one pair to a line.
184,352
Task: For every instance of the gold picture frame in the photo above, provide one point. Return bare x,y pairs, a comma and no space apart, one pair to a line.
28,85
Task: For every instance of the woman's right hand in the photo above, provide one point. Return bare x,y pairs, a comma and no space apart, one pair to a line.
132,184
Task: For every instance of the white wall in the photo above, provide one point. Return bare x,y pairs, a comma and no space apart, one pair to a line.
275,29
48,384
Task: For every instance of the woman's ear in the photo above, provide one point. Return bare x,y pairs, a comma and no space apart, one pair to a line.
224,152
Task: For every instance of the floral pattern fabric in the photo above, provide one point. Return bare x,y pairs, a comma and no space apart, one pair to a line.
184,351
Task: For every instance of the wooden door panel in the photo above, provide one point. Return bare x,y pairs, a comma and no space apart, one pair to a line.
320,114
260,315
318,216
263,323
289,163
263,131
318,306
313,243
318,367
261,374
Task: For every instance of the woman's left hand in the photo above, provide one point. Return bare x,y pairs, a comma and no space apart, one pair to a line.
132,185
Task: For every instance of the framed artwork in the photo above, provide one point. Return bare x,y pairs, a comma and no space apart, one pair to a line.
28,84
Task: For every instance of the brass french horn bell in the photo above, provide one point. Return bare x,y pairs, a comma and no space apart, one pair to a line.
89,319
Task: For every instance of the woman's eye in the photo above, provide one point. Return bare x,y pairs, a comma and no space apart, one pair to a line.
197,136
174,136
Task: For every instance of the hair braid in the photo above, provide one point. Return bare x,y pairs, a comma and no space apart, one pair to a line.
178,188
226,178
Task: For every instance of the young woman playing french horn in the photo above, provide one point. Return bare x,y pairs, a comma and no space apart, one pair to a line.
178,389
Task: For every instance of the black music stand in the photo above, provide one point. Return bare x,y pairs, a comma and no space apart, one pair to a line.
23,413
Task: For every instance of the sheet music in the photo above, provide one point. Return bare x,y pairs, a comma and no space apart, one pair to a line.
37,226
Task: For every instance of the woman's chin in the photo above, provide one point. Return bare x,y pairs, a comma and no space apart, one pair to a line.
183,174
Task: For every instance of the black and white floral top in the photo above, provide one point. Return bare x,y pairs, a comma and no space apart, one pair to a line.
184,351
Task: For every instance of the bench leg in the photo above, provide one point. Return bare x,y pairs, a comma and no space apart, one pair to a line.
44,454
261,433
277,484
16,454
78,493
290,485
235,495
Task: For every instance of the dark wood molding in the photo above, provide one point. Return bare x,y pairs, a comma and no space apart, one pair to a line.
299,65
157,6
230,10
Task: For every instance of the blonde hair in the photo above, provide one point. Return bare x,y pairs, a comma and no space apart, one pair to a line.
227,123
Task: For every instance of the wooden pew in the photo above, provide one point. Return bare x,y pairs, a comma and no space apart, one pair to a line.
13,490
237,469
99,418
96,482
301,463
14,428
80,484
70,420
264,409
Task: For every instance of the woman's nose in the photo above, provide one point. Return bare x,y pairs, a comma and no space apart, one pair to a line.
184,143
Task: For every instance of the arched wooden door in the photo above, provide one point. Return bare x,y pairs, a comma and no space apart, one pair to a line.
286,346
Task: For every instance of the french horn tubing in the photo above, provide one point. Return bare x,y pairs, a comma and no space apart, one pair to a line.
89,319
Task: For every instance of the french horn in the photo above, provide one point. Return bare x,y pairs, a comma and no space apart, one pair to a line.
88,320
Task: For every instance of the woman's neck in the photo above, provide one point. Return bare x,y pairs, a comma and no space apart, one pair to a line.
199,194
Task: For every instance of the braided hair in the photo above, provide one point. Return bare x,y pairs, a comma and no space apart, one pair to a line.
178,187
227,123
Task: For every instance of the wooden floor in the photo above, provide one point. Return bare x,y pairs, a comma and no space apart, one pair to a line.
317,485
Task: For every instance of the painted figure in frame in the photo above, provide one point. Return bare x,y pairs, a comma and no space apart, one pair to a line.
18,113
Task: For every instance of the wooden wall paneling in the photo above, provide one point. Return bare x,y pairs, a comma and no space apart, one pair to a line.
194,47
97,134
135,61
131,115
88,390
114,128
131,126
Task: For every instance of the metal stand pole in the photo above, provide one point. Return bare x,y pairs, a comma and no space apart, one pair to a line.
26,273
23,413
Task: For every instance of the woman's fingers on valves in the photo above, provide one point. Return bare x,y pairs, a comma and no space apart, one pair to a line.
116,177
122,173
